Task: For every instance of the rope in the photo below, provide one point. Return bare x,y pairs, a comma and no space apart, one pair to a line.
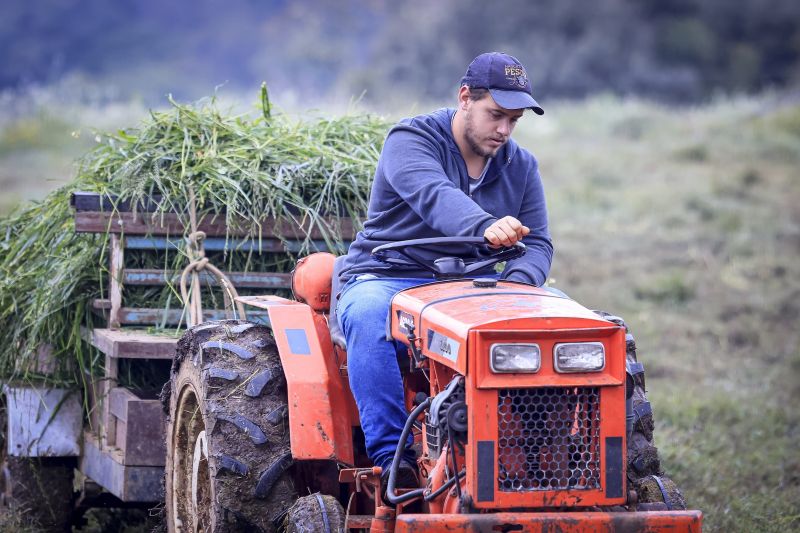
198,262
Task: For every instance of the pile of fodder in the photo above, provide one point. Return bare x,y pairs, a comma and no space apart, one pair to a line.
245,168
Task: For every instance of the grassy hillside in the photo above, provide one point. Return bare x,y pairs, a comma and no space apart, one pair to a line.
44,129
686,223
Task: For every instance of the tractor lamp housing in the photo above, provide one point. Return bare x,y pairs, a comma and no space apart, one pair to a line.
508,358
579,357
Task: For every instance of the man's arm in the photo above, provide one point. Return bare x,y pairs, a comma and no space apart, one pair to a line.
534,266
412,168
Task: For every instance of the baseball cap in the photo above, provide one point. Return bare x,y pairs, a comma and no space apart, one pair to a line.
505,78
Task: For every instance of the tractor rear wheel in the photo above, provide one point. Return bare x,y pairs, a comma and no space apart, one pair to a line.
228,451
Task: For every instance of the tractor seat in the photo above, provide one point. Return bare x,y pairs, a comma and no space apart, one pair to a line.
315,282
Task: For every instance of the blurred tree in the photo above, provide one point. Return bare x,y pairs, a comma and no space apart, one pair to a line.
671,49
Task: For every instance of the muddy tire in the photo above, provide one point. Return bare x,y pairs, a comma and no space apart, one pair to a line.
642,454
34,492
228,452
315,513
660,489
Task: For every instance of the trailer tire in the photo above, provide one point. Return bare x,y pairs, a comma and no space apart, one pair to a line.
228,452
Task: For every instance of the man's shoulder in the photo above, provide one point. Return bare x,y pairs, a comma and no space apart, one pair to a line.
431,131
435,123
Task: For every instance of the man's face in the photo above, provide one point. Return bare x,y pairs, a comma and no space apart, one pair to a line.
488,126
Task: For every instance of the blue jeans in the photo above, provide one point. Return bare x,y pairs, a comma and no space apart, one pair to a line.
372,362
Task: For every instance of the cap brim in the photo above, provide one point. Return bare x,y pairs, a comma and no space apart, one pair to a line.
516,100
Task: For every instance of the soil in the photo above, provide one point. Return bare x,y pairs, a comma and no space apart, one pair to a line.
40,491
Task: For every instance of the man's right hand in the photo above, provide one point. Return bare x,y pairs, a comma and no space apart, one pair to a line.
505,232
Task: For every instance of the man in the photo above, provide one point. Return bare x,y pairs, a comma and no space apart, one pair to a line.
453,172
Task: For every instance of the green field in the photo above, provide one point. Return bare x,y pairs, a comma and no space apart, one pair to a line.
685,221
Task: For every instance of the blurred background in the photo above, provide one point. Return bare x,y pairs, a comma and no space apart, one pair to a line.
674,50
67,65
670,150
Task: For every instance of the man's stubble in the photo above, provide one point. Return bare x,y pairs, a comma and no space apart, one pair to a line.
473,140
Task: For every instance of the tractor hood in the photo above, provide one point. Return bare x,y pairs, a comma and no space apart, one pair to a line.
442,314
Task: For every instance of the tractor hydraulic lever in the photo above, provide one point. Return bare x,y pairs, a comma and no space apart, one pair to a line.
413,345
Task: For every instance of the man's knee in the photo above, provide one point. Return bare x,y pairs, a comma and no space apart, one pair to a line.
363,304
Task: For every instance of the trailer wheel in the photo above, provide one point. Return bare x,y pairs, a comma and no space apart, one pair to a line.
228,451
34,492
313,513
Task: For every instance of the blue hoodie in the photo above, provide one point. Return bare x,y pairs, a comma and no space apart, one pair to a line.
421,190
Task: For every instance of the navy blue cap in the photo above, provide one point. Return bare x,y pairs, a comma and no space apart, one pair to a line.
505,78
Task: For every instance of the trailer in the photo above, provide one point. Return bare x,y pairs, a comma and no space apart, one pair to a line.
68,449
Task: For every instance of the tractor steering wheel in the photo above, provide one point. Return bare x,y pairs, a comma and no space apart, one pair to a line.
446,267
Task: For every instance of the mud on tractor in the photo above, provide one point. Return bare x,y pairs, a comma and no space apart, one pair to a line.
526,411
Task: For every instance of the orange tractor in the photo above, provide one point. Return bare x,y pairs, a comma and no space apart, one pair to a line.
519,404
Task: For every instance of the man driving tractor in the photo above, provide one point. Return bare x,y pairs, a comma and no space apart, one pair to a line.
453,172
515,407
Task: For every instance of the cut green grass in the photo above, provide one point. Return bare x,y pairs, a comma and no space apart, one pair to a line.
242,168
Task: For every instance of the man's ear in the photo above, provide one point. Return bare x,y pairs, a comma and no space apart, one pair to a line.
463,97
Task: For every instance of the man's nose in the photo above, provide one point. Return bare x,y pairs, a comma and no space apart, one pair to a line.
504,127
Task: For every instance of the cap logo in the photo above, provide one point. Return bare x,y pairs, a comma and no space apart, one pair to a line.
515,75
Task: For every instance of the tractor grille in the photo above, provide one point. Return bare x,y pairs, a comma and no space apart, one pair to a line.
548,438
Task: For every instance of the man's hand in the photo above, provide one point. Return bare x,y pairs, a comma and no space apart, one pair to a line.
505,232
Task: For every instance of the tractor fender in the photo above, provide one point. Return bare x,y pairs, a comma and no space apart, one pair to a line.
322,411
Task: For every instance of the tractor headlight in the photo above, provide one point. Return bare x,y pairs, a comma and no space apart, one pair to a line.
515,358
580,357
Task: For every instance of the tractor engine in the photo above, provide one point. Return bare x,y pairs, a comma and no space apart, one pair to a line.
446,420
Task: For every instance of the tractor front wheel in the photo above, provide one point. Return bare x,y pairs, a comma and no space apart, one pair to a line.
644,464
315,512
228,451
